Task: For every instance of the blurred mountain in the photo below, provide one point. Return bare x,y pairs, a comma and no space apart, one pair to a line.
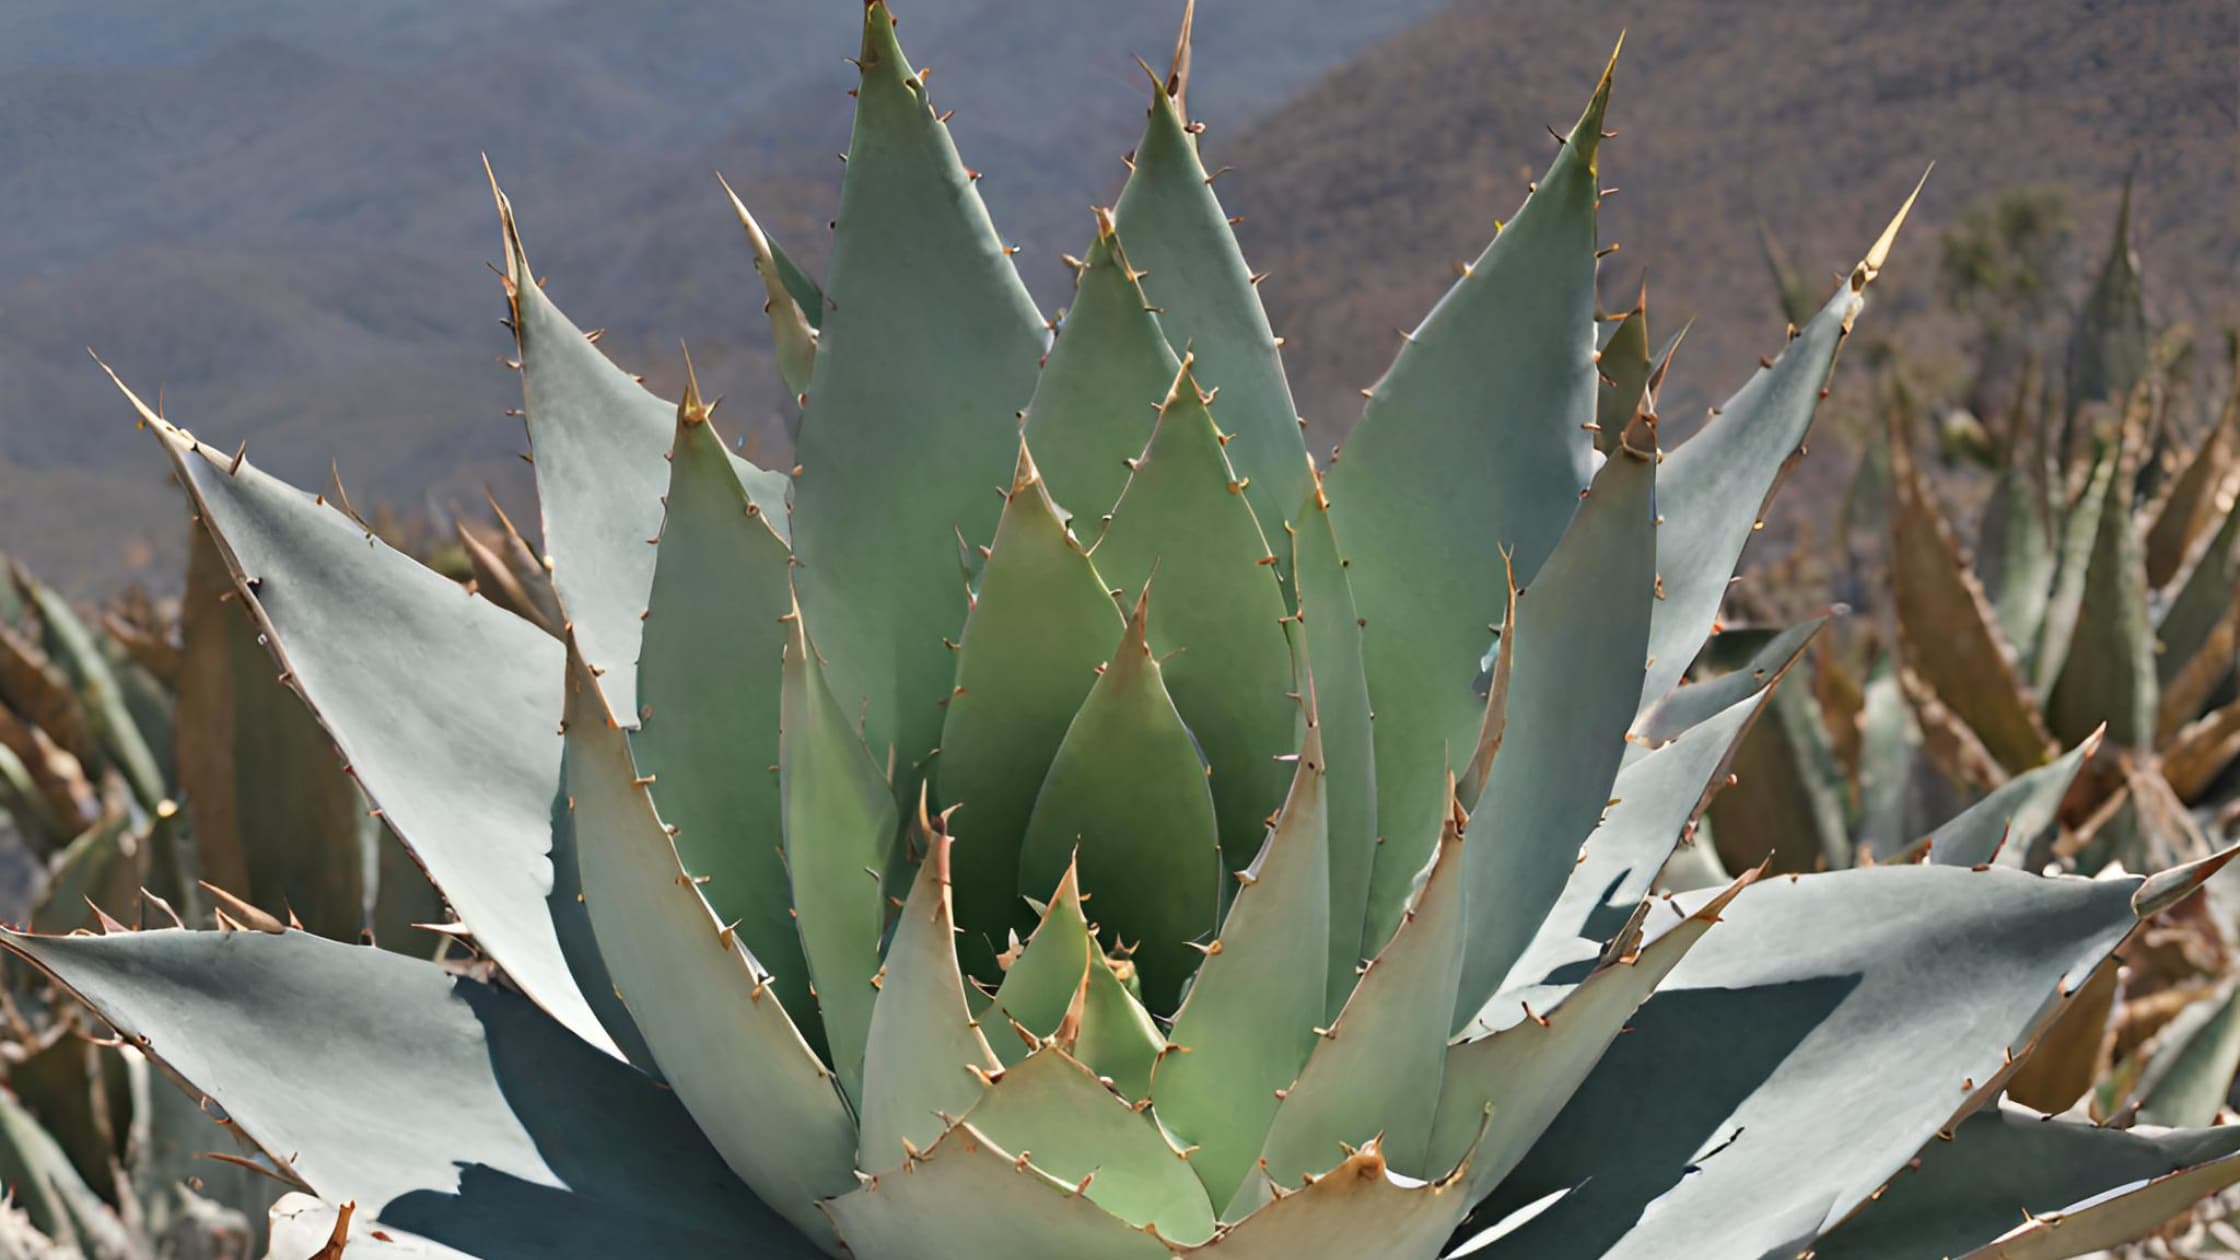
275,214
1815,119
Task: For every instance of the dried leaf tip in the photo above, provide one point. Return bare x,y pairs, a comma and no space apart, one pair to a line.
1871,266
1177,85
690,410
147,415
1026,476
517,259
1587,135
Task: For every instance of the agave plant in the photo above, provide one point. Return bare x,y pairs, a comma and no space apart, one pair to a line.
886,868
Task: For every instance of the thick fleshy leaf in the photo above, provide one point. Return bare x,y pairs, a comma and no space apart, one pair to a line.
1622,364
71,644
2109,673
2080,531
2201,605
274,818
2002,826
1503,1089
40,693
1041,624
1712,491
1470,454
1359,1208
2191,506
1581,635
1251,1014
1060,980
708,692
446,708
57,1200
597,439
698,995
1095,402
1055,1111
1218,625
2110,346
924,1046
2025,1180
1787,803
1375,1074
1946,629
2190,1069
840,828
1197,280
967,1199
926,353
2016,559
1686,707
1656,801
1805,1051
442,1105
1340,682
789,299
1126,802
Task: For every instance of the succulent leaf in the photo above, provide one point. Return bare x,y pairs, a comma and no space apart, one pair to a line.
698,995
597,438
840,834
2206,478
1041,624
1684,708
2016,558
2110,348
708,691
2108,673
2002,826
1657,800
2190,1068
1502,1090
1333,641
2016,1185
1208,302
1712,491
1251,1014
1471,444
1946,629
1581,636
449,1107
258,774
1358,1208
1787,802
964,1198
791,300
910,408
2079,534
1622,366
1095,402
1045,989
924,1045
1218,624
1052,1109
1900,994
55,1198
1374,1076
447,717
1126,802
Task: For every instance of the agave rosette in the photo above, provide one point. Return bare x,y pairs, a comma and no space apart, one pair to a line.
883,867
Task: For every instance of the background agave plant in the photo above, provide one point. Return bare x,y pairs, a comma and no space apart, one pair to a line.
2096,605
751,836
